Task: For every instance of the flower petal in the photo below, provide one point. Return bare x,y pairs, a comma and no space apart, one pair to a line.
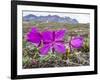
47,36
44,50
77,42
34,36
60,48
59,35
34,29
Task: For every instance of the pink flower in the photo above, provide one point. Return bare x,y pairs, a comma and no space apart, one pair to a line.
53,40
76,42
34,36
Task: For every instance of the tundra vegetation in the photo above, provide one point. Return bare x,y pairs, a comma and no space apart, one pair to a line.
40,51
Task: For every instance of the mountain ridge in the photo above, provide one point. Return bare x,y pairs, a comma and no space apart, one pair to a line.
50,18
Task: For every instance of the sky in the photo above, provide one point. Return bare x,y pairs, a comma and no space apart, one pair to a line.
81,17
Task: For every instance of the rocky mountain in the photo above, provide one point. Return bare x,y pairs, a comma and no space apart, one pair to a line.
50,18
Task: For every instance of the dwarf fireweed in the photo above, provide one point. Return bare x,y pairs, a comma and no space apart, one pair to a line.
52,40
